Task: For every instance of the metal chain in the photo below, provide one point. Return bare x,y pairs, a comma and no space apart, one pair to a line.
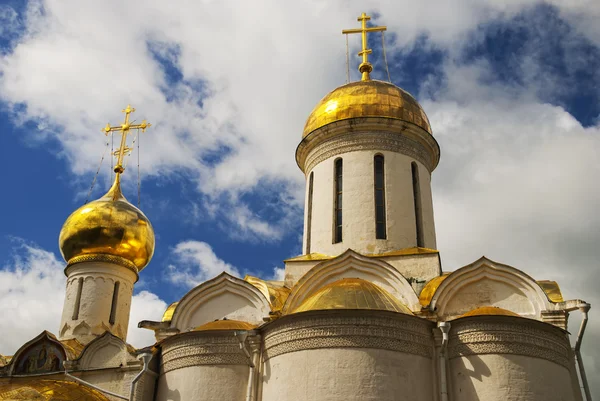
384,56
112,152
96,175
347,62
139,181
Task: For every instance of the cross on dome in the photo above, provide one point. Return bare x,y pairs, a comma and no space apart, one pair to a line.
124,129
365,67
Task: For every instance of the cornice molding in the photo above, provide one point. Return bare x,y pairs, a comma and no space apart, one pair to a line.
348,329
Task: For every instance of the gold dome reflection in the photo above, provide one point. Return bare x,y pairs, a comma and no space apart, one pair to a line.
366,99
108,227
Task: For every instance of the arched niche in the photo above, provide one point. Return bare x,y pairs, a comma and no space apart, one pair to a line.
106,351
487,283
43,354
351,264
224,296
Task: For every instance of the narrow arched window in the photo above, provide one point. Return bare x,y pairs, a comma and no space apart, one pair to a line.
417,203
115,299
309,211
78,299
380,230
337,215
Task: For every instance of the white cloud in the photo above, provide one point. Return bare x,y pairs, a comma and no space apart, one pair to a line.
77,65
196,262
517,184
517,176
32,289
144,306
278,274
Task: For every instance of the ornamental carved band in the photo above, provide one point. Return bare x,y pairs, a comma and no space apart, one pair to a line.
475,338
372,140
190,350
101,257
403,334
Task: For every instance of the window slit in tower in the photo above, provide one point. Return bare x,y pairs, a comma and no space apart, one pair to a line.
309,212
417,203
337,237
78,299
115,299
380,229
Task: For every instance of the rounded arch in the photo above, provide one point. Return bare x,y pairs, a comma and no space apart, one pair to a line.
220,297
353,265
526,293
42,354
105,351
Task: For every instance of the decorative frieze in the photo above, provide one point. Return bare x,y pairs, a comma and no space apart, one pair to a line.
512,336
376,141
399,333
196,350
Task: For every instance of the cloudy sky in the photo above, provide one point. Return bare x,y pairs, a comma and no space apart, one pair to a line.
511,89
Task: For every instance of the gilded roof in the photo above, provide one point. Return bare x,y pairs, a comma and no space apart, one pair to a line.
352,293
430,288
309,257
552,290
47,390
109,228
400,252
4,360
404,252
225,324
490,310
366,99
168,315
72,347
275,292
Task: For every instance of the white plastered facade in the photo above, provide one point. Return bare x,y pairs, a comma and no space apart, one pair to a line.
230,339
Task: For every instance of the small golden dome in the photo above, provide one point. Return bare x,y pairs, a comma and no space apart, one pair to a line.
352,293
367,99
109,229
490,310
225,324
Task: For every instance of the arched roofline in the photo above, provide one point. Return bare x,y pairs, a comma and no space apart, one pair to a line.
99,343
44,335
487,268
222,283
342,266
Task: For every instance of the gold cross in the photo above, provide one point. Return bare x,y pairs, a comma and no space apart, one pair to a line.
124,129
365,67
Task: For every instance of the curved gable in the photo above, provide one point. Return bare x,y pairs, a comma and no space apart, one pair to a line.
487,283
106,351
352,265
43,354
223,296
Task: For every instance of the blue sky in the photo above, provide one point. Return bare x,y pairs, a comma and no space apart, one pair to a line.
511,91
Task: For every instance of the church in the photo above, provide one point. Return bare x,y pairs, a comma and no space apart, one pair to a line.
366,312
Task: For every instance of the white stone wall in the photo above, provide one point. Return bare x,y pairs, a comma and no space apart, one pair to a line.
509,378
348,355
203,366
358,205
347,374
96,301
204,383
503,358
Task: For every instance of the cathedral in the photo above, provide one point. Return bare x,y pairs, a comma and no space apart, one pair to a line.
366,312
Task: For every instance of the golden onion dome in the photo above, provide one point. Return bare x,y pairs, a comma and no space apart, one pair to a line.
108,229
225,324
490,311
369,98
352,293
